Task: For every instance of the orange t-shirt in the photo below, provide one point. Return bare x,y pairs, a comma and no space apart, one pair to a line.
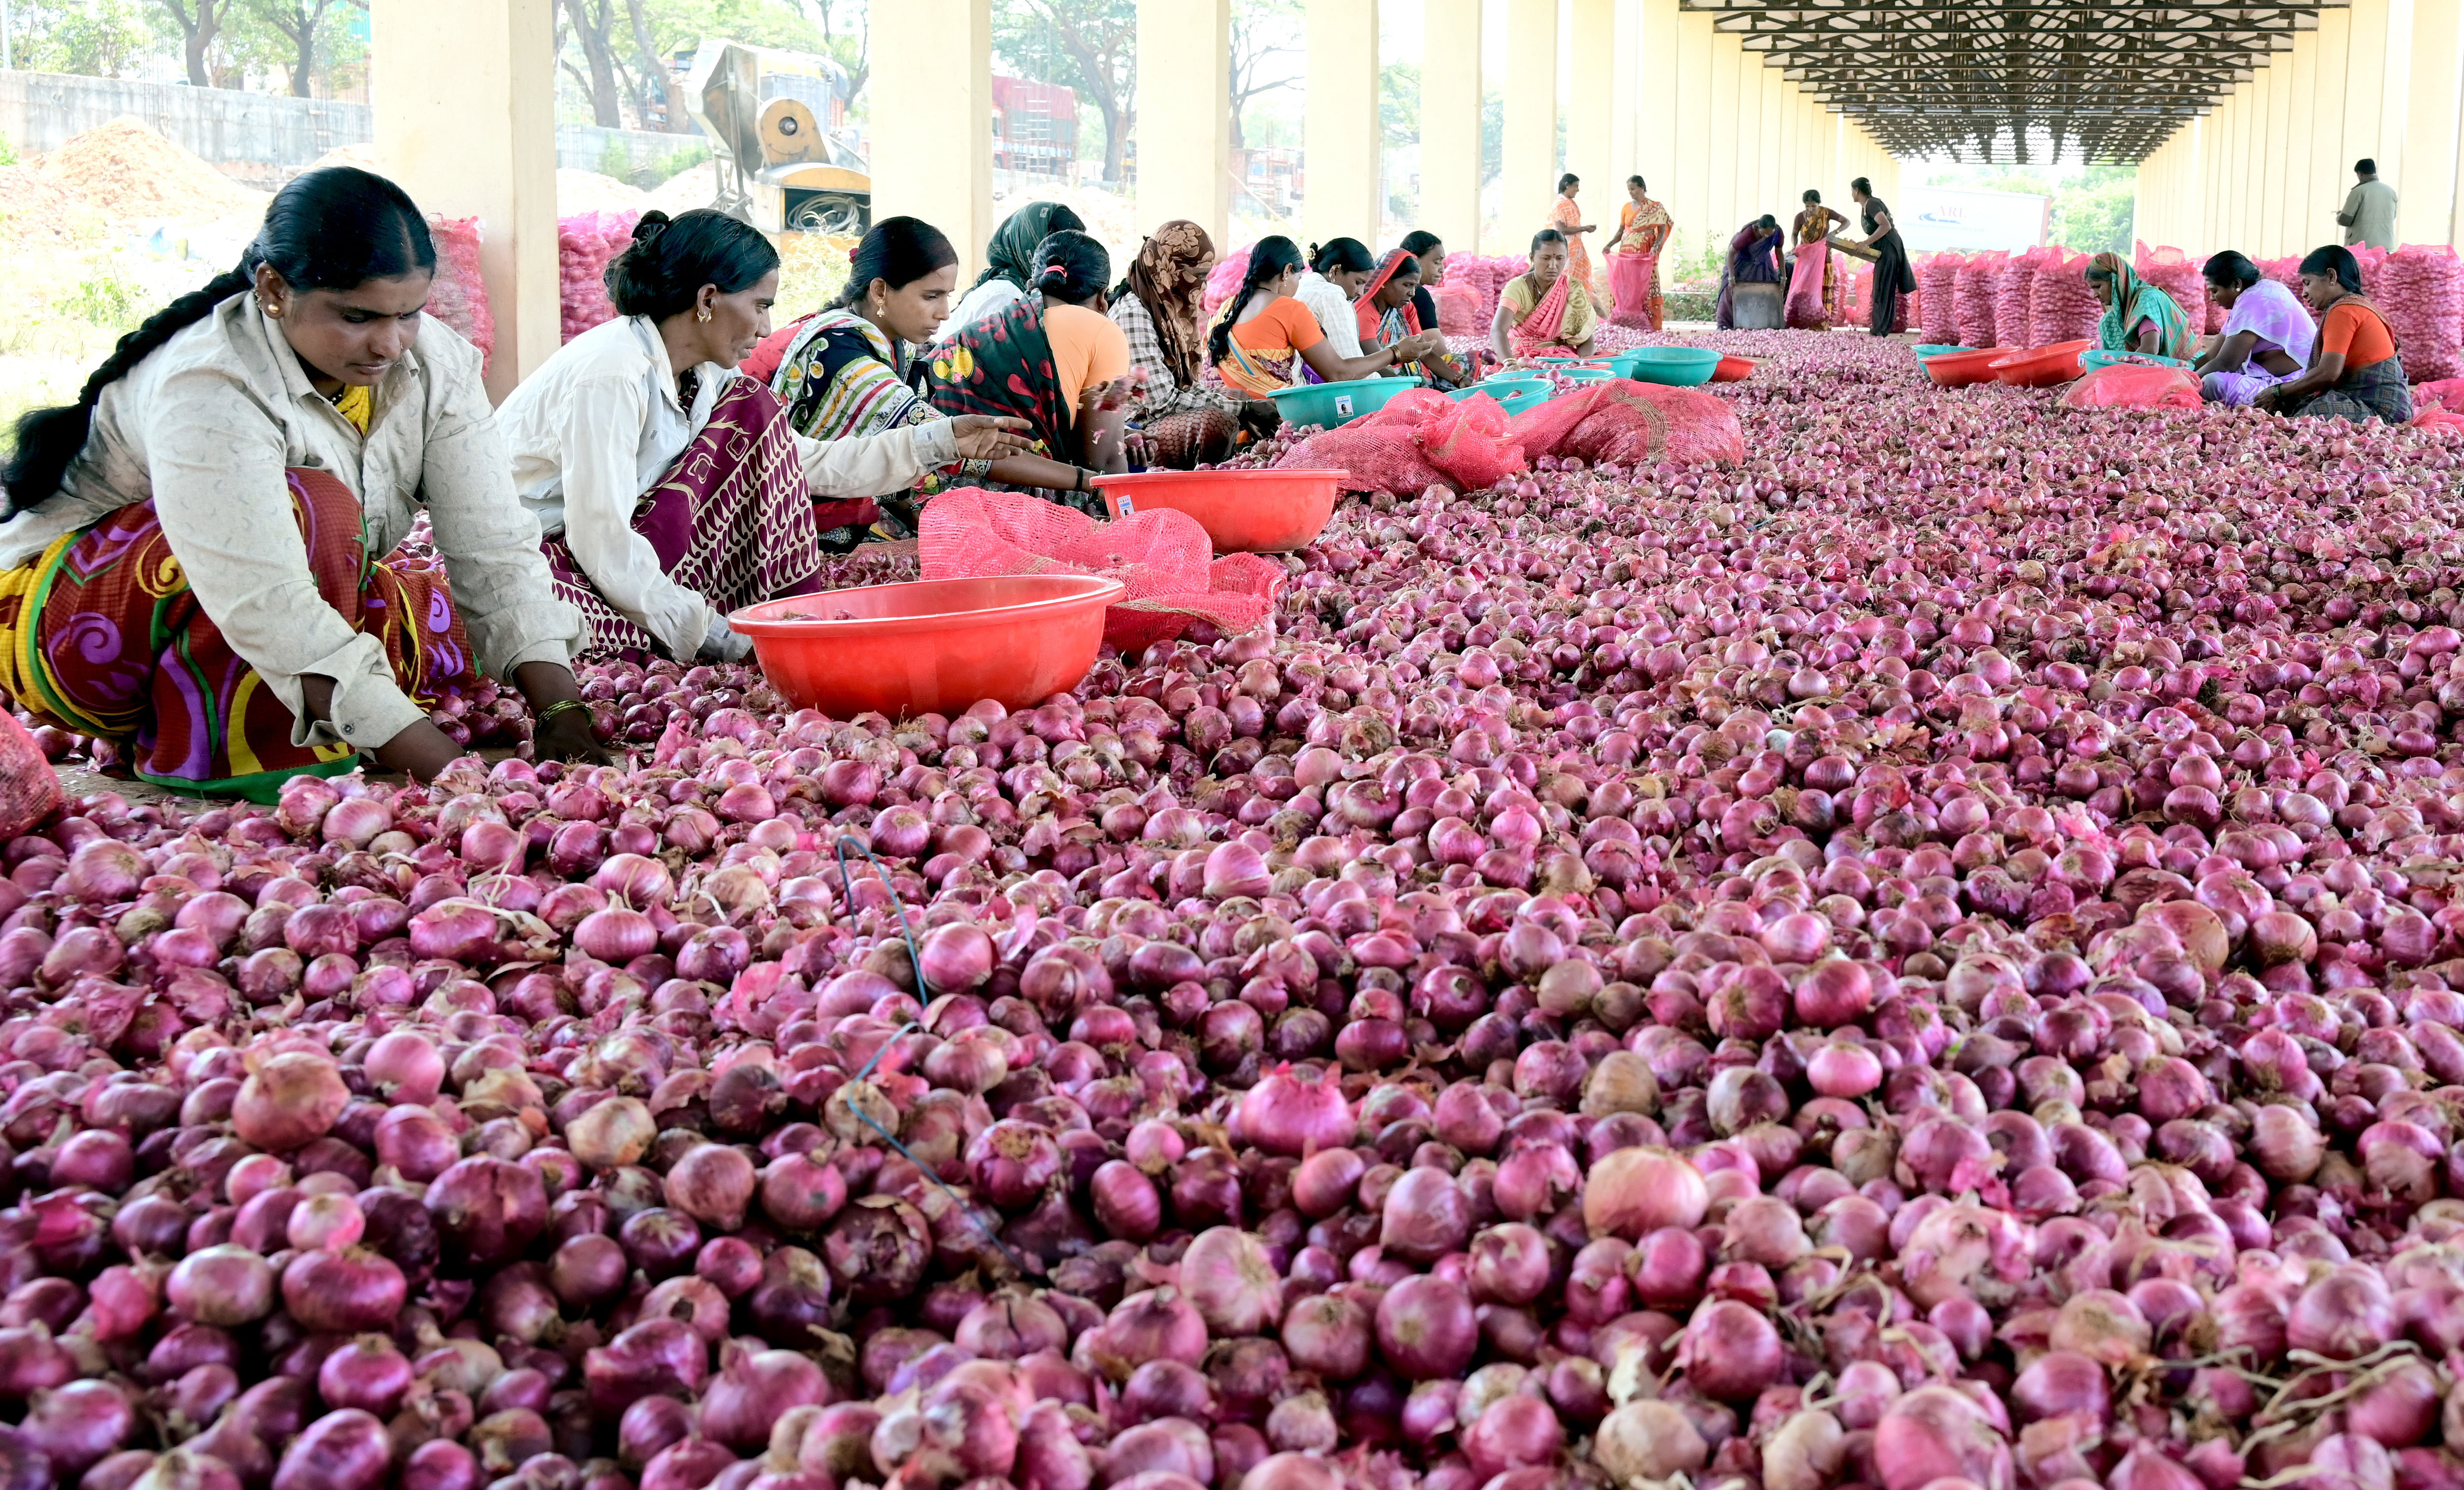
1284,326
1087,349
2361,337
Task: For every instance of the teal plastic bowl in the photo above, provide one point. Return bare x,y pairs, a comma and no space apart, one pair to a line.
1937,350
1672,366
2096,357
1582,374
1515,399
1333,403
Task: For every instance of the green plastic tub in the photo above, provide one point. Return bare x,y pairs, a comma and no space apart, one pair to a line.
1333,403
1674,367
1512,394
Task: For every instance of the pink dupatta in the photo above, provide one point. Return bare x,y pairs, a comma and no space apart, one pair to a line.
1805,305
1539,329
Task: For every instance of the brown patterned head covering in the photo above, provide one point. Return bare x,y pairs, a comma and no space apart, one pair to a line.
1169,277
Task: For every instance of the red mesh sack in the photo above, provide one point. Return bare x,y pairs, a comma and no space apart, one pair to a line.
1937,279
2422,291
1164,557
1385,459
2013,288
30,789
1421,438
1224,278
1457,310
2061,307
1630,422
2446,393
2130,386
585,243
2436,418
459,295
1471,443
1973,300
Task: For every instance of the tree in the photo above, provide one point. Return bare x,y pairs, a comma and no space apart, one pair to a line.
98,38
592,25
1089,45
301,25
200,22
851,49
1260,29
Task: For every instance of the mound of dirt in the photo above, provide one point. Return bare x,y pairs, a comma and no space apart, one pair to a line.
35,207
127,170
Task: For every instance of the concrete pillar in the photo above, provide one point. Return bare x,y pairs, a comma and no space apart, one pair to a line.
1590,120
2426,193
1656,88
2273,147
2367,134
1529,182
1185,107
2296,206
1689,197
1758,180
465,124
937,162
1721,144
2324,189
1625,93
1340,134
1450,86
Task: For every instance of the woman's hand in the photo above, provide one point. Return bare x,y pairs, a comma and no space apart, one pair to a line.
569,736
989,436
1260,417
1105,397
2265,399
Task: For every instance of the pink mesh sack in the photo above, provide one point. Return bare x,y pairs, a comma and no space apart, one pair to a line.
1458,309
2446,393
459,296
2061,307
1421,438
1164,557
2130,385
30,789
585,243
1974,301
2172,271
1628,422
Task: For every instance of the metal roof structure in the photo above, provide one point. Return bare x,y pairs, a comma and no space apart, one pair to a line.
2016,80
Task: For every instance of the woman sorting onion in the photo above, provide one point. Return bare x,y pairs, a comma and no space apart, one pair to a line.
673,488
2268,334
201,560
1263,336
850,370
1389,313
2138,317
2357,372
1546,309
1052,363
1160,306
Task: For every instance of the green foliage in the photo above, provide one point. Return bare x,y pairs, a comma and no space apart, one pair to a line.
682,25
614,160
100,38
8,151
811,272
2091,209
106,299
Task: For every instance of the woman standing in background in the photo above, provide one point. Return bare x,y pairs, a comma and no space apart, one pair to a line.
1643,227
1813,288
1567,218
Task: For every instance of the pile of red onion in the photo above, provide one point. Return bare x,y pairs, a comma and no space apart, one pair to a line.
1927,961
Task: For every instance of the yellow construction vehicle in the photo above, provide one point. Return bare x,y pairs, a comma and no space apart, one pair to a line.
779,167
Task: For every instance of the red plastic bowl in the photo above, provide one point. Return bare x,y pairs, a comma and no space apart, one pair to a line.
931,646
1243,511
1958,369
2040,367
1734,369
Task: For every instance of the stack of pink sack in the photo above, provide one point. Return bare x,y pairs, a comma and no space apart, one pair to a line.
2061,307
459,296
2012,289
2421,290
2173,272
1974,301
1938,279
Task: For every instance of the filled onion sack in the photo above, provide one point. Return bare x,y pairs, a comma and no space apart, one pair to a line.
30,789
1421,438
585,243
2013,287
2132,386
1629,423
2174,273
1938,279
2061,307
1164,557
1230,268
459,295
2422,291
1975,292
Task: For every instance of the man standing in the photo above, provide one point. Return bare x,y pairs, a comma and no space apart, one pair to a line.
2369,209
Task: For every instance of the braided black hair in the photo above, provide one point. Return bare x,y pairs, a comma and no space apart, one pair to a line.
1271,257
334,228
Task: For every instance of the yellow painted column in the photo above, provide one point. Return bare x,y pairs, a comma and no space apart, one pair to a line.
1591,117
2148,195
2329,159
1529,182
2296,206
1755,136
936,163
465,124
1626,95
1340,133
1185,114
1723,150
2426,193
1450,83
2273,148
2245,222
1656,88
2365,81
1689,196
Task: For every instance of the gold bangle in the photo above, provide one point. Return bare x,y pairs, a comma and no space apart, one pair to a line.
559,709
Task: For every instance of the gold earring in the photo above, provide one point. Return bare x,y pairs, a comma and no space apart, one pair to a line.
701,315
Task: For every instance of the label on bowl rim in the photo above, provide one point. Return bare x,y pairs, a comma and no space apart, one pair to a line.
1127,505
1343,405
